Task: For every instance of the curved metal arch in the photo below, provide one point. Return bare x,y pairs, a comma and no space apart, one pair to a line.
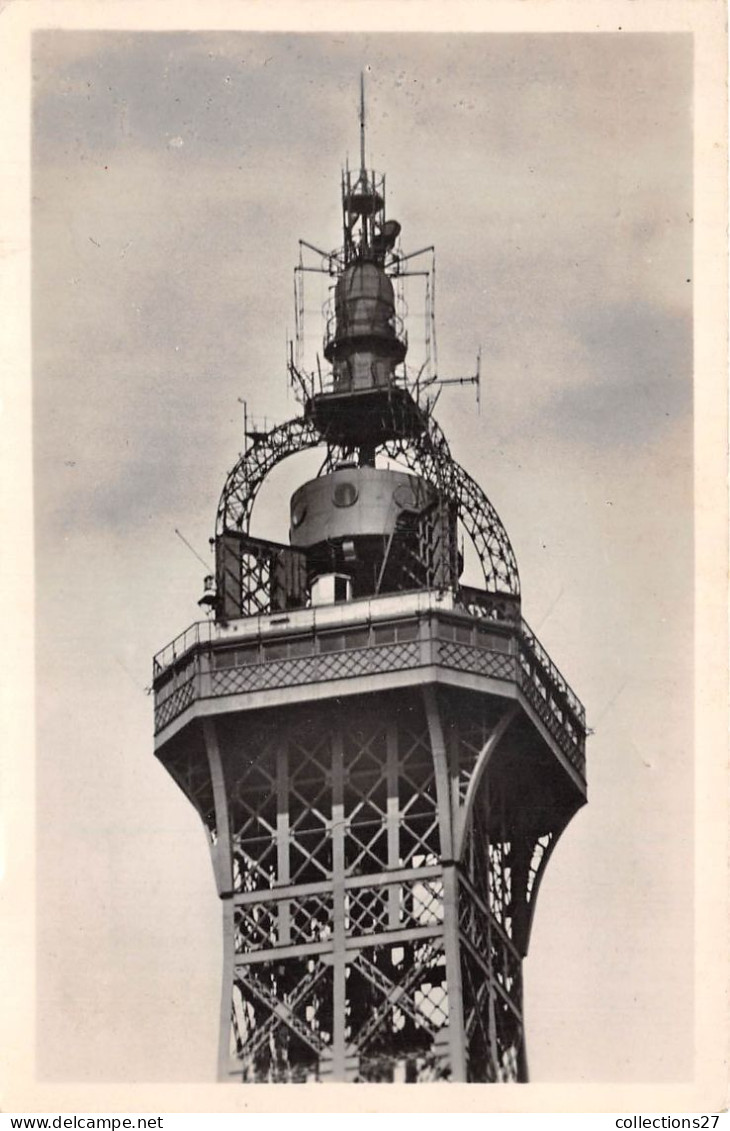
429,455
479,769
244,480
555,834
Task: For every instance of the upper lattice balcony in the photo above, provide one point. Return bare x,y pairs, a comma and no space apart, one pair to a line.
476,639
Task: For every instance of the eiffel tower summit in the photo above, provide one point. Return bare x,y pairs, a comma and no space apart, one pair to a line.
383,756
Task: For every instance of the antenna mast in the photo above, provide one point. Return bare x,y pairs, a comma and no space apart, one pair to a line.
362,122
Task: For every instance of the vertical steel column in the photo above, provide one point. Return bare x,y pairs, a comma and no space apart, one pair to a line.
223,868
457,1042
339,972
282,838
227,1067
457,1037
493,1030
393,821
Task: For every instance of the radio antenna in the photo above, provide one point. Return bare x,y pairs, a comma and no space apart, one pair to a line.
362,121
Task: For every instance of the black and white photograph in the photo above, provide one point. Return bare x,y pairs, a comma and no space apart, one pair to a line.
364,403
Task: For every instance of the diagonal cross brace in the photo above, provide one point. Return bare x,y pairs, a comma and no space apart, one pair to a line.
284,1012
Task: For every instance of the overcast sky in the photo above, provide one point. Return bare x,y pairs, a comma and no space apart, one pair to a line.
172,177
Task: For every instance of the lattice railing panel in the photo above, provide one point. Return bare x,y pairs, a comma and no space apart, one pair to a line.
311,669
481,661
175,704
536,663
570,741
554,703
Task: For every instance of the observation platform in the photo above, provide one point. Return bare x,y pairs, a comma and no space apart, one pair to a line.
351,416
474,641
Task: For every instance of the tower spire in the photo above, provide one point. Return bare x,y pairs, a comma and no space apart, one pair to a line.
362,123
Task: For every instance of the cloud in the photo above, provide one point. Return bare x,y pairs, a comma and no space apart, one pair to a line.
637,375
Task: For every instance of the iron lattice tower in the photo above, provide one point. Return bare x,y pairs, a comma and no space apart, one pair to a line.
382,756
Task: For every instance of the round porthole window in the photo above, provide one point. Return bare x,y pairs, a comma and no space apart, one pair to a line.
344,495
298,514
404,497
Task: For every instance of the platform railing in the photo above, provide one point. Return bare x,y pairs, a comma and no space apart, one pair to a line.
540,667
496,607
536,661
200,632
200,664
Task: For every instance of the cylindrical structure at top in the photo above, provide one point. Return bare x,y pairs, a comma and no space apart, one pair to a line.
355,502
364,337
364,309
